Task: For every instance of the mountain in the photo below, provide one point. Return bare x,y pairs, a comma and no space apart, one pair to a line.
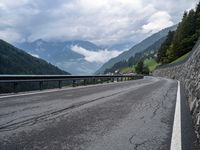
16,61
62,55
148,52
136,49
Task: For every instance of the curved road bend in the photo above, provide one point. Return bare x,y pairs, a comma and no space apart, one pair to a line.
132,115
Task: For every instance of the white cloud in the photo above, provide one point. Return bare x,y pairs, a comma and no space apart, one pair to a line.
100,21
157,21
100,56
10,35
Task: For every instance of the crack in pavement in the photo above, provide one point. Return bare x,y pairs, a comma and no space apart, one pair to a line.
137,145
31,121
155,111
44,116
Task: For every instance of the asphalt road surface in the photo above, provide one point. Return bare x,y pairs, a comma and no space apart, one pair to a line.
131,115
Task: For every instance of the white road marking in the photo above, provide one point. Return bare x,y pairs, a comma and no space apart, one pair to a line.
176,132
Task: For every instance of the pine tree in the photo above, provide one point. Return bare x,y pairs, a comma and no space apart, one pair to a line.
162,52
141,68
197,16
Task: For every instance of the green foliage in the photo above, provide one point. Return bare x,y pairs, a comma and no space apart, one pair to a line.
162,52
128,69
184,38
140,68
150,63
180,58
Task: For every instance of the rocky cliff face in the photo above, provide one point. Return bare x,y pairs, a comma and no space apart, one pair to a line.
188,73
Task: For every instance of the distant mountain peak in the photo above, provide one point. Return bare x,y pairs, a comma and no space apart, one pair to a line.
60,53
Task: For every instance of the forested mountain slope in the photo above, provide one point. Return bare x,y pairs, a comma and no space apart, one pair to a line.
16,61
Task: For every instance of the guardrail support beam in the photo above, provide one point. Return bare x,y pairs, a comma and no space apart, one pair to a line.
84,82
15,87
60,84
41,85
74,83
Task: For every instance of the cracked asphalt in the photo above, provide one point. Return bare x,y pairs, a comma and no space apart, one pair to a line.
132,115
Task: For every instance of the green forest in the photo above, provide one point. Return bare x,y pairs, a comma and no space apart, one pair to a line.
16,61
181,41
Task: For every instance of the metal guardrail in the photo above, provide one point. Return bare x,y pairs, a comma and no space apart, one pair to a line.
74,80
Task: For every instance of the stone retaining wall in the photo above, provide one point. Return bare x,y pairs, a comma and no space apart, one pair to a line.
188,73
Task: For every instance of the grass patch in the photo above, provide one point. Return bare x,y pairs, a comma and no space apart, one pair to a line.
180,58
151,64
128,70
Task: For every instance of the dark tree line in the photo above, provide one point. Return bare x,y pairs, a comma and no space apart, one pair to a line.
140,68
162,52
183,39
16,61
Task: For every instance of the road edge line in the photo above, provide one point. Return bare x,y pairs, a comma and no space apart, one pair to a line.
176,131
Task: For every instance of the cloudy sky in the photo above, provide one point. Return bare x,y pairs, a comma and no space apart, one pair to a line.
104,22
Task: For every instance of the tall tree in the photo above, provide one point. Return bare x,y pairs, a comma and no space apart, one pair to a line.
141,68
162,52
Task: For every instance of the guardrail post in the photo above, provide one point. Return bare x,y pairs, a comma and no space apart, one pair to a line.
84,81
60,84
94,81
107,80
41,84
88,81
74,83
101,80
15,87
